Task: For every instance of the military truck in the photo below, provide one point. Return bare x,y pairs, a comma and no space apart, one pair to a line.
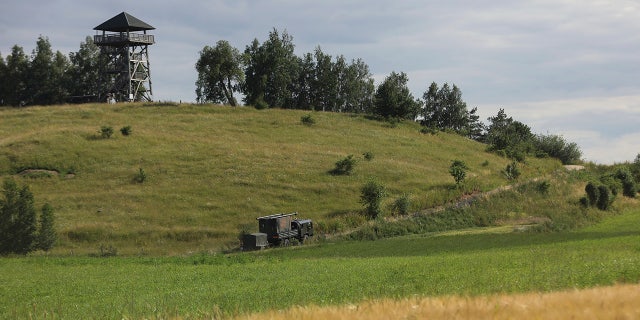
278,230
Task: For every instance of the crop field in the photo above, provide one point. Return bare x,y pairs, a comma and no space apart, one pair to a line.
468,263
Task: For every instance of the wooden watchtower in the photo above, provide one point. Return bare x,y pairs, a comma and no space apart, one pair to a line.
125,74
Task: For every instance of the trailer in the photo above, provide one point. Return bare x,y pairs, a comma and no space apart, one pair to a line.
278,230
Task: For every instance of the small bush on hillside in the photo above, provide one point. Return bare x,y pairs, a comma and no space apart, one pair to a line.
402,205
458,171
543,187
307,120
429,130
372,194
592,193
344,167
512,171
368,156
106,132
629,188
141,176
605,197
126,130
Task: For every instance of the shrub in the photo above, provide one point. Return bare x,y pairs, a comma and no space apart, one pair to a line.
344,166
126,130
106,132
402,205
629,188
371,197
141,176
47,234
592,193
543,187
512,171
557,147
458,171
368,156
307,120
605,197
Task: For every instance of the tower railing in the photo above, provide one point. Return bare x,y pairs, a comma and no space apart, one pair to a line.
101,39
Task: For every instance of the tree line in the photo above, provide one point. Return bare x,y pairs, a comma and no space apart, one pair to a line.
270,75
45,77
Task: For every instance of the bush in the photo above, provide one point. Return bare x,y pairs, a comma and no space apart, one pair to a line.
141,176
605,197
47,234
458,170
629,188
371,197
557,147
402,205
344,166
368,156
106,132
512,171
592,193
307,120
126,130
543,187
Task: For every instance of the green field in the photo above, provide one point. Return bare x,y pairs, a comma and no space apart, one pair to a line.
468,263
211,170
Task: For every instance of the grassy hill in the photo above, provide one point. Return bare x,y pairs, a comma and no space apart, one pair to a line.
211,170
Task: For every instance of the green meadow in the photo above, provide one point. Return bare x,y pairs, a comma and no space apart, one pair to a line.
469,262
211,170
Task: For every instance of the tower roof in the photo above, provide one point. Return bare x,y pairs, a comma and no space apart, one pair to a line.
124,22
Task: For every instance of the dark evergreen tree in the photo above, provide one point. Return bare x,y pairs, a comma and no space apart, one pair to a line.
16,86
17,220
393,98
46,233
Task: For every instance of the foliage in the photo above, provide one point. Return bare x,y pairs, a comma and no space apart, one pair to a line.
629,188
557,147
512,137
46,236
141,176
308,120
393,99
84,69
106,132
371,196
220,74
401,205
18,225
368,155
344,166
126,130
271,68
512,171
458,170
444,109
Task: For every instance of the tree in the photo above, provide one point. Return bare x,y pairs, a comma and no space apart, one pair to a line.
512,137
393,99
220,74
16,93
458,170
84,70
444,109
271,70
46,233
17,220
372,194
357,87
4,81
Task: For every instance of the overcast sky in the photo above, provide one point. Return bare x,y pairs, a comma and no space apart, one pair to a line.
561,66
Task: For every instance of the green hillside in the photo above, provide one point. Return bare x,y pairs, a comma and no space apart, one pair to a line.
211,170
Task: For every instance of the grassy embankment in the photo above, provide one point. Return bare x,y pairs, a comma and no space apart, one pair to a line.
212,170
470,263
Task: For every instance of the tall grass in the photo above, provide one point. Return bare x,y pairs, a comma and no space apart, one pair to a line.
211,169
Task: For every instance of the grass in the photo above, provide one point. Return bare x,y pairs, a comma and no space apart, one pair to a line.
210,170
469,263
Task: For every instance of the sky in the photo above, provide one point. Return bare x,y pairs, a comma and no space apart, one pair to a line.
565,67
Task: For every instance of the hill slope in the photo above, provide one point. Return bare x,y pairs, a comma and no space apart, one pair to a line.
212,170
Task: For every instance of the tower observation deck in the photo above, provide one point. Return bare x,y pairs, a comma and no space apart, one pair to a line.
125,73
